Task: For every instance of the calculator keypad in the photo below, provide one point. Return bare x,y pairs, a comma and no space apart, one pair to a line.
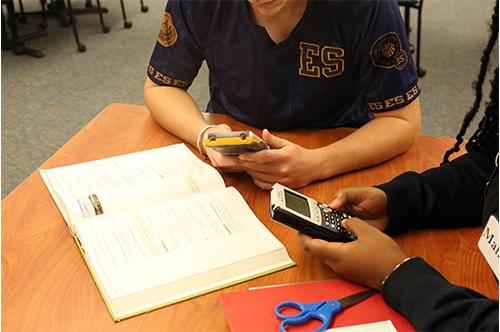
332,220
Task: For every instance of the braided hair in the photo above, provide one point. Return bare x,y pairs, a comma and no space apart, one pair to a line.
488,126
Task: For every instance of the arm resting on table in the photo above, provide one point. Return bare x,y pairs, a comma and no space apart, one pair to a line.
175,110
388,135
448,196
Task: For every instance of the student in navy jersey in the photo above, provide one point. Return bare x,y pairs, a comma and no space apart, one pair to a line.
284,64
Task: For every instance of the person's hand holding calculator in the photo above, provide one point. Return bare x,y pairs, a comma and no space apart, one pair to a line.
216,143
373,255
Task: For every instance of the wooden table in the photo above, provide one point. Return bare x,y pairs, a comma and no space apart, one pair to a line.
46,284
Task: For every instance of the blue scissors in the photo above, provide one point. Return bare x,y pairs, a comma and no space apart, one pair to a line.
322,311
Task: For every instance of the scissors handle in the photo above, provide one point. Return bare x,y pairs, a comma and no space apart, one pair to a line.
292,304
322,311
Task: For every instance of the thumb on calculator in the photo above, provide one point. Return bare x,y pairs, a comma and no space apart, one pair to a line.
273,141
358,227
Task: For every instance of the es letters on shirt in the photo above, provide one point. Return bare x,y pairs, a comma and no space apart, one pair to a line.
488,244
164,79
395,102
320,61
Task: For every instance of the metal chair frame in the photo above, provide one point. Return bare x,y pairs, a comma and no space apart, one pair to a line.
408,5
16,41
65,12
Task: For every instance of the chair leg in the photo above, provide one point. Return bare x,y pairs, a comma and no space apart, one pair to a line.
21,17
126,24
143,8
44,24
105,28
5,37
408,28
11,21
407,21
421,72
57,8
14,42
81,47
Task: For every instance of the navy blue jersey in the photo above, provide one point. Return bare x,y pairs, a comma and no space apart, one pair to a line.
343,61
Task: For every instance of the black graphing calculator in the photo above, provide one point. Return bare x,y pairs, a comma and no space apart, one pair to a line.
308,215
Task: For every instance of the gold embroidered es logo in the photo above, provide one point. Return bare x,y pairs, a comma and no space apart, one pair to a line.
387,52
168,33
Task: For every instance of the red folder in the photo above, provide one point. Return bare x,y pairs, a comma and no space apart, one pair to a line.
253,310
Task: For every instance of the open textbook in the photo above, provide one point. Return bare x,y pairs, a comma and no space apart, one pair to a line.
159,226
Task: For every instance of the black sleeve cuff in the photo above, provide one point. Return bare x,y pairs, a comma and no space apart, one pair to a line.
405,283
431,303
447,196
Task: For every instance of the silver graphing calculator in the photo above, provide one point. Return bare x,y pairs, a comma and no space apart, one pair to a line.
308,215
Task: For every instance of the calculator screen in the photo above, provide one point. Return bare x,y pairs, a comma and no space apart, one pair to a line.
297,203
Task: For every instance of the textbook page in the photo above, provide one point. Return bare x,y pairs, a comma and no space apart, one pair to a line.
128,181
168,252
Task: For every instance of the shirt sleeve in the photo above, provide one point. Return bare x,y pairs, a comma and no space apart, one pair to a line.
448,196
383,59
431,303
178,53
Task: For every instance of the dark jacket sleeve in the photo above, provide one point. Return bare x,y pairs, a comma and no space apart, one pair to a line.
431,303
448,196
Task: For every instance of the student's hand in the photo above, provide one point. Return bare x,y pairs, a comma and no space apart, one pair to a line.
286,163
218,160
367,260
367,203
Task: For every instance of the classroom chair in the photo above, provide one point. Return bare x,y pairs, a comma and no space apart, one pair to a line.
11,37
65,12
407,5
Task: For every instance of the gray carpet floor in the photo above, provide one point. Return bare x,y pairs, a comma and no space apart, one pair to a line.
46,101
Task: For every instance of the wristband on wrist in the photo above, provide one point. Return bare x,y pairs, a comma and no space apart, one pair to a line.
199,139
395,268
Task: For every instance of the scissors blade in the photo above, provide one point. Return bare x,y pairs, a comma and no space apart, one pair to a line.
356,298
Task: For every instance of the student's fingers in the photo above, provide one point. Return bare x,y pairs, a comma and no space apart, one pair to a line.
221,127
268,168
378,223
274,141
224,163
263,185
317,247
339,200
213,156
358,227
217,158
288,181
361,201
349,196
263,177
264,156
